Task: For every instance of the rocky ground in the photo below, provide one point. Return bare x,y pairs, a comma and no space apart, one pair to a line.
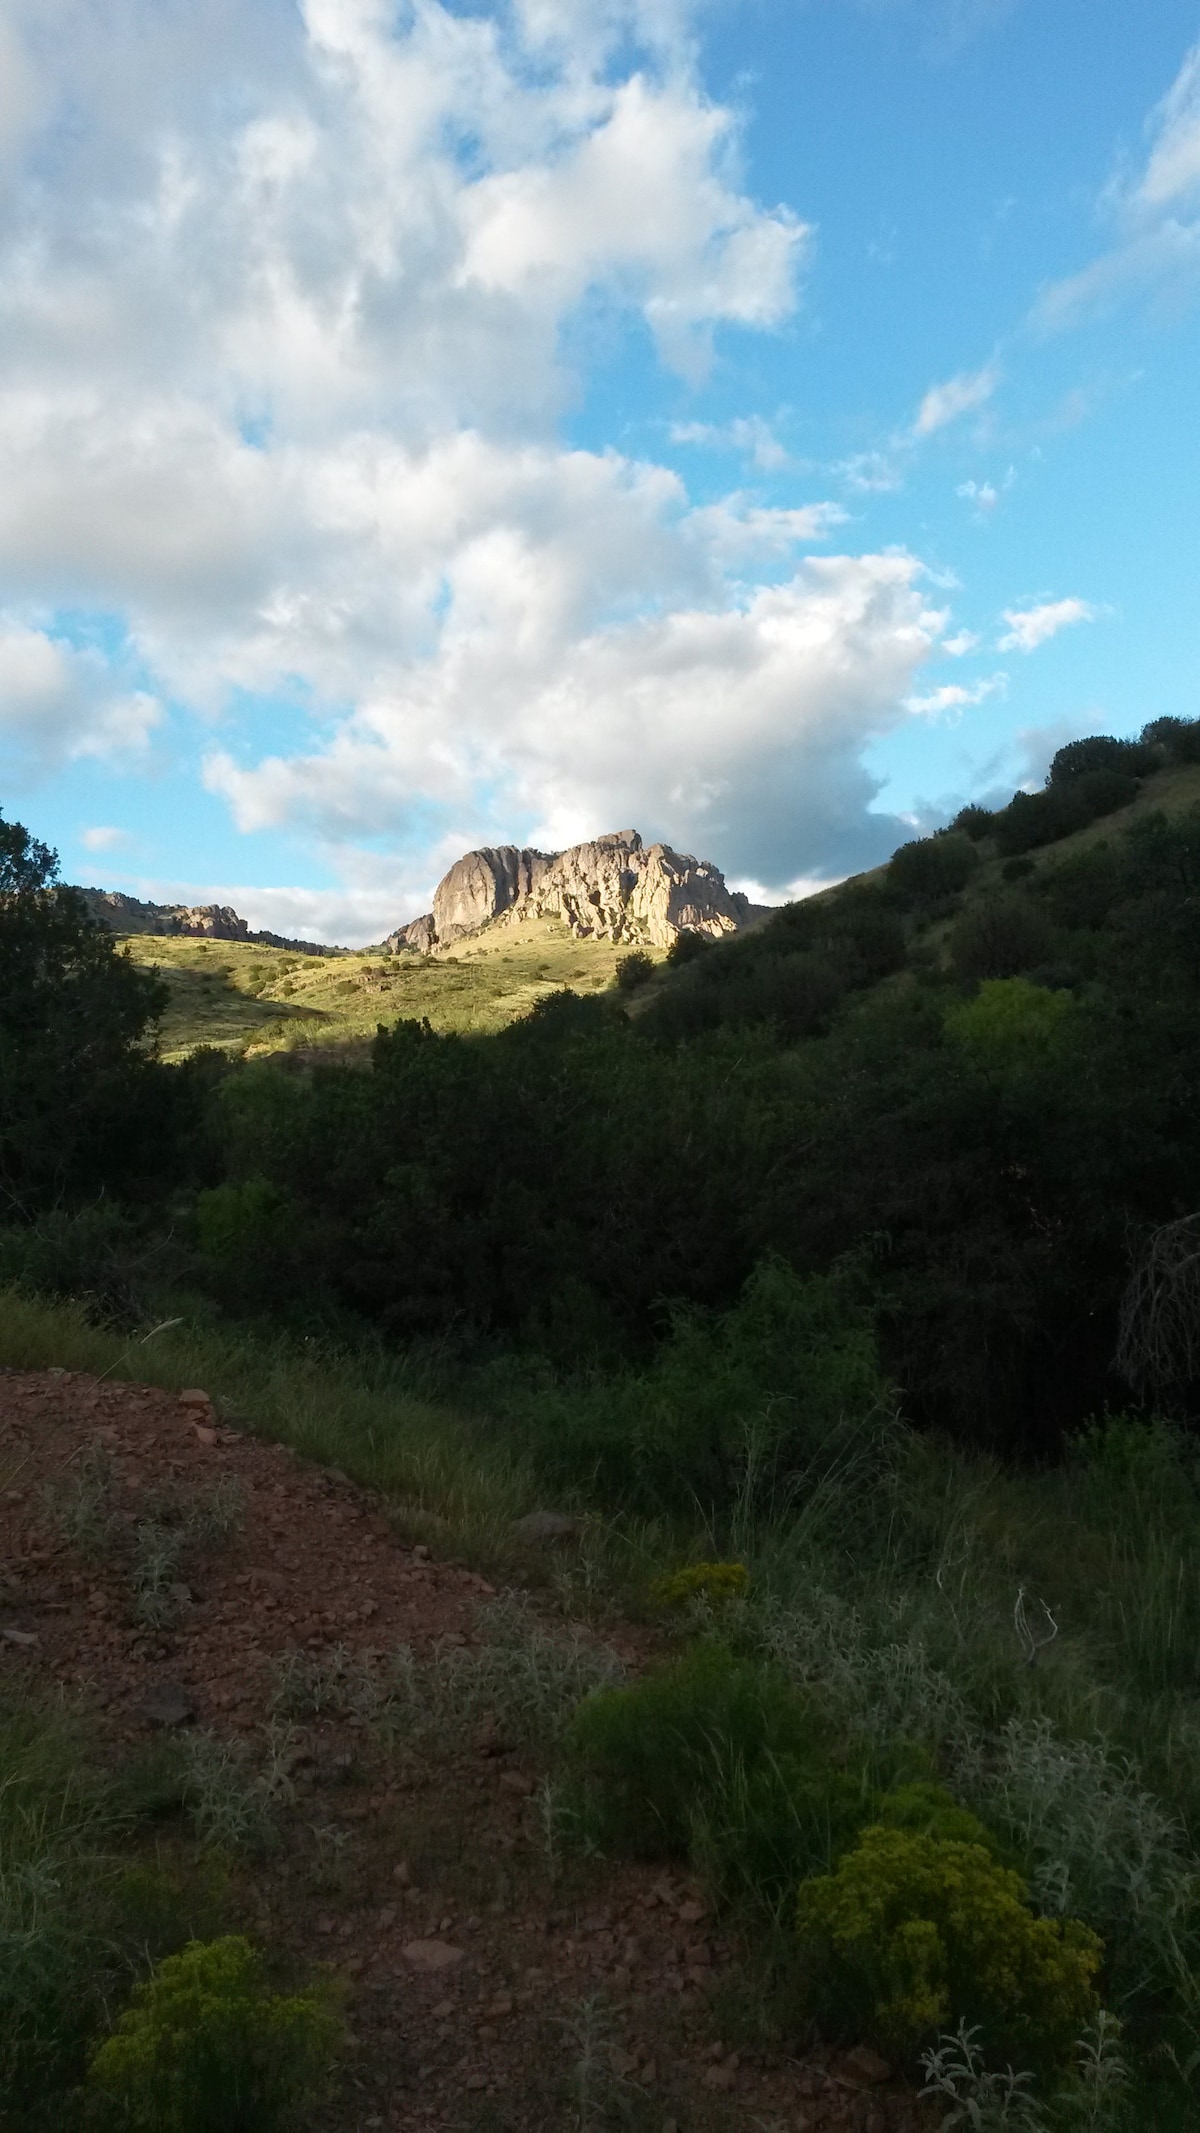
493,1986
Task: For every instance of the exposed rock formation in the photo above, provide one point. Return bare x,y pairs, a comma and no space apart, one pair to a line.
613,888
216,922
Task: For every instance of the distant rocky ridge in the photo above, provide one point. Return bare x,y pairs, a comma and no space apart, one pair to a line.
215,922
614,888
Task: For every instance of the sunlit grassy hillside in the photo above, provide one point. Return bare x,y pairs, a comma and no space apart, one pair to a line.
251,1000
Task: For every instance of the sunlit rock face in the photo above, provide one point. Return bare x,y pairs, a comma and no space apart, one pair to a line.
613,888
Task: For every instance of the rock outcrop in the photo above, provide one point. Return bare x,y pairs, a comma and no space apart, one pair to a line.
214,922
613,888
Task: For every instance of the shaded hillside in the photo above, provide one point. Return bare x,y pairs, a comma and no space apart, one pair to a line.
1019,891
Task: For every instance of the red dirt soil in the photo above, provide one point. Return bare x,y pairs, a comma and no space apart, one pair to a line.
409,1855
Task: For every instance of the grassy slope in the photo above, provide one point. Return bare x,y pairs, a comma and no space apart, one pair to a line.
252,1000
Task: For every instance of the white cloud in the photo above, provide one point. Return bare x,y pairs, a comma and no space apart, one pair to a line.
58,704
104,839
872,473
957,396
1028,627
985,495
283,350
962,641
1171,177
749,434
955,696
1154,213
727,727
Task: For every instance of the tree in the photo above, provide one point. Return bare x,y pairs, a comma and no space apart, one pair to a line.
73,1014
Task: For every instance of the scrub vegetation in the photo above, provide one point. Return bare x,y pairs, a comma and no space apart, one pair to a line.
841,1282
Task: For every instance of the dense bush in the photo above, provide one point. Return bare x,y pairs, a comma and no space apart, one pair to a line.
79,1102
974,822
1100,754
750,1405
932,867
688,947
911,1933
206,2047
1000,936
634,969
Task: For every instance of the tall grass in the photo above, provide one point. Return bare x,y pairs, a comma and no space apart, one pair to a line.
1034,1634
450,1474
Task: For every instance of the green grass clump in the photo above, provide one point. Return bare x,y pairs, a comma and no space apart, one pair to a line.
716,1758
206,2047
57,1880
911,1931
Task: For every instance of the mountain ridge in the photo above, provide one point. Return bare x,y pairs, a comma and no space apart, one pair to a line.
613,887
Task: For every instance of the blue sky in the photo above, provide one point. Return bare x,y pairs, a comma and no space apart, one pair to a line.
766,425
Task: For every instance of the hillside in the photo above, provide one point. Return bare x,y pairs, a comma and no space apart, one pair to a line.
1032,889
250,1001
820,1336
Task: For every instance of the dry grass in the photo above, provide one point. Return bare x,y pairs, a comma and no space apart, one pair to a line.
251,1000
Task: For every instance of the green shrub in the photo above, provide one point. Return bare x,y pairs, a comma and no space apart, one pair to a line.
1010,1023
912,1932
934,866
634,970
974,822
688,946
1000,937
746,1405
717,1583
1101,755
205,2047
1032,819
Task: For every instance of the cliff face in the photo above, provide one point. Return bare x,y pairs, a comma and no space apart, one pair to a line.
214,922
613,888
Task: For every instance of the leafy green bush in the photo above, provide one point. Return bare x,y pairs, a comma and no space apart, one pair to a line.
911,1932
974,822
741,1405
1100,755
1010,1023
1000,937
688,946
634,970
205,2047
932,867
1032,819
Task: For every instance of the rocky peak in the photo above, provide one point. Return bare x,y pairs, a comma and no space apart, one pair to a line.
214,922
611,888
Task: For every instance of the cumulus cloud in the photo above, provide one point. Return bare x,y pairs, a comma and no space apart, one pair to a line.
722,727
282,361
958,396
58,704
1028,627
1153,212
